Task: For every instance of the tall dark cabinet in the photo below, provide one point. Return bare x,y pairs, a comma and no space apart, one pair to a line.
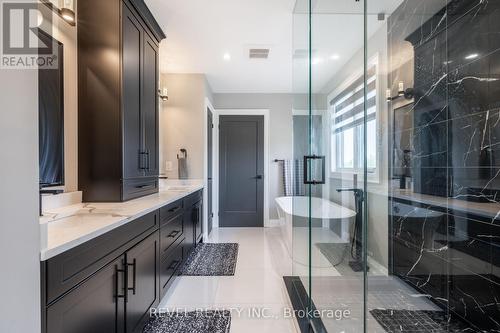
118,103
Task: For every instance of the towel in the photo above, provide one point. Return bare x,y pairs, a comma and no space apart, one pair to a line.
182,167
293,178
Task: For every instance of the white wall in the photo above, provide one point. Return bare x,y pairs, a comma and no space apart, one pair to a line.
19,228
182,122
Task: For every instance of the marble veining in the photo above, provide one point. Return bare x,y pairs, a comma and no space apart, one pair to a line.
67,227
445,231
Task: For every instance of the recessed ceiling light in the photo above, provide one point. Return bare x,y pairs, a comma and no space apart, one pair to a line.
335,57
472,56
227,56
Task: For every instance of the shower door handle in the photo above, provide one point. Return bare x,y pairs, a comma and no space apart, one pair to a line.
307,160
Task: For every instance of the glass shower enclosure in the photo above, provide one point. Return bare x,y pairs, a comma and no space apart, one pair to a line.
395,223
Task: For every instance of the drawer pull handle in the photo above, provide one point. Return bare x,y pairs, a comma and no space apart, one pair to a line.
143,186
172,210
173,265
173,233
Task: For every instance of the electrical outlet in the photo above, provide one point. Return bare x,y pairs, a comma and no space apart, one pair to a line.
169,166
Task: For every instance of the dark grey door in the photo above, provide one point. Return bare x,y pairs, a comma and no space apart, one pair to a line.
241,170
210,126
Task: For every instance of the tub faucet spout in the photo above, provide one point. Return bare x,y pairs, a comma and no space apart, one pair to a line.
358,193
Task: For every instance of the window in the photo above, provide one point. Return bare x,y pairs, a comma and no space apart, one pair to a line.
347,120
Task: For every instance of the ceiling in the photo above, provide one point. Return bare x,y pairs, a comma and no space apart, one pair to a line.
200,33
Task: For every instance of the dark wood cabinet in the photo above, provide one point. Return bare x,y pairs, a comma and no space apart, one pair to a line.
109,283
142,282
95,306
170,262
198,221
133,152
118,44
193,220
150,105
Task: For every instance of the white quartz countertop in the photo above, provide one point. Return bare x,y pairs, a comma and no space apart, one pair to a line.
67,227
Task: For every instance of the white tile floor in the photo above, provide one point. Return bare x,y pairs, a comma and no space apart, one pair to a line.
256,286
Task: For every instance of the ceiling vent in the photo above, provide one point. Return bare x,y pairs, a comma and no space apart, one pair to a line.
258,53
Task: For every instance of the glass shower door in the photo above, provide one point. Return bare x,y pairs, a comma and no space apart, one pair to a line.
396,124
329,117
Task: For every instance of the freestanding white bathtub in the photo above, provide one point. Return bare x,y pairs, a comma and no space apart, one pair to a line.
323,212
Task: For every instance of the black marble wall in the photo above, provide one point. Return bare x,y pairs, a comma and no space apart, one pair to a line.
448,245
456,145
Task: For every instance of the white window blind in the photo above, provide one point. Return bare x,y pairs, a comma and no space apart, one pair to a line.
347,119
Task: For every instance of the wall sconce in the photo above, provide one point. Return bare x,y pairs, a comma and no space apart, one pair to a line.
67,11
64,8
163,93
407,93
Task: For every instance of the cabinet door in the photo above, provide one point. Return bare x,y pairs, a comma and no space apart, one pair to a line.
94,306
198,221
189,229
150,105
142,280
134,157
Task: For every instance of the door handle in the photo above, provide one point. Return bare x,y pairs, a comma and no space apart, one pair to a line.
148,160
117,292
142,155
259,177
308,181
134,275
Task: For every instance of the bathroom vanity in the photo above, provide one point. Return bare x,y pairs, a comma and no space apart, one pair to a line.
106,264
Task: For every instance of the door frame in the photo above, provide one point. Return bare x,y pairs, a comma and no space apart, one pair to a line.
208,105
215,176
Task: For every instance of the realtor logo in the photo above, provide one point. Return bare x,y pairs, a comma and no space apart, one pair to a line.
24,42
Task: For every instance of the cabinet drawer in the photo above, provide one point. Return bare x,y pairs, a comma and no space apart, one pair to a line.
169,264
136,188
67,270
171,210
170,231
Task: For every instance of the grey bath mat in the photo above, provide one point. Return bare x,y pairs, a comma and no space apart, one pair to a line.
190,322
417,321
211,259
